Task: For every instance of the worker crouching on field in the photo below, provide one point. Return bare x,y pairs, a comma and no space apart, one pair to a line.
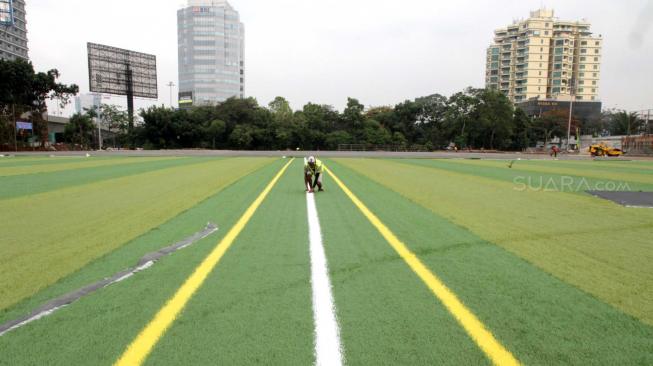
313,174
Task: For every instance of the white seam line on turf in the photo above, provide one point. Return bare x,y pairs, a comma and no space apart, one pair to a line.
327,335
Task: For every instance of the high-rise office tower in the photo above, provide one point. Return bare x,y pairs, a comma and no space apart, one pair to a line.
211,41
87,101
13,30
546,58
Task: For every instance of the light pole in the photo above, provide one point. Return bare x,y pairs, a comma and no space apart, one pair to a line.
571,108
170,85
99,129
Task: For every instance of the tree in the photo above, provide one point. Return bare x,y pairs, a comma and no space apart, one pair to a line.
399,139
492,125
215,130
320,117
281,109
405,120
278,134
375,134
459,115
241,136
159,130
114,119
598,125
431,118
625,123
554,124
352,116
79,130
522,133
22,90
335,138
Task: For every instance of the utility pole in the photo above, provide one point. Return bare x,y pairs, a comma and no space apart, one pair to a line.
571,108
170,85
99,128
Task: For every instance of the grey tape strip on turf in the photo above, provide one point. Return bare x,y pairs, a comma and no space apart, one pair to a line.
145,262
628,199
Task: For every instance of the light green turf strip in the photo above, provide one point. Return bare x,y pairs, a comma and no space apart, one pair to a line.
577,183
67,165
624,167
96,329
593,244
52,234
533,166
255,307
24,161
387,315
539,318
22,185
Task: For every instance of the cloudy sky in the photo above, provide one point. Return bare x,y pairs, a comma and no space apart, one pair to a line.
381,52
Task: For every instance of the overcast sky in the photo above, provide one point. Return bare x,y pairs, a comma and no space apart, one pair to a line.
381,52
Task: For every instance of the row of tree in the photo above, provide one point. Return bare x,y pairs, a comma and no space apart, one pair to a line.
475,117
472,118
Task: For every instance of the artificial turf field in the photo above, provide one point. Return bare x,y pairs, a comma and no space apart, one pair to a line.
446,262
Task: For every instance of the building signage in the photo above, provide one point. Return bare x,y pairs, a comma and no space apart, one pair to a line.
547,104
186,98
24,125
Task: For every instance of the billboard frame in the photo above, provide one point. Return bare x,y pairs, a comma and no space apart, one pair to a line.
118,71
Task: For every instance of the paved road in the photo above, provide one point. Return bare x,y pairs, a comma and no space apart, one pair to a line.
325,154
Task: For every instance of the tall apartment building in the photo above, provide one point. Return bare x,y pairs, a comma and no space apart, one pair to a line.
546,58
211,41
13,33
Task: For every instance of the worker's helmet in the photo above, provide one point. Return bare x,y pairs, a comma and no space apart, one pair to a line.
311,159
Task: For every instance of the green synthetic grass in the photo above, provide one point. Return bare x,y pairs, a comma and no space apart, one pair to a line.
539,318
255,307
638,167
96,329
386,315
49,235
587,171
594,244
526,174
26,184
66,164
41,160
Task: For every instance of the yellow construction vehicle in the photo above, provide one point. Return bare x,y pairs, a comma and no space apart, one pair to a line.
602,149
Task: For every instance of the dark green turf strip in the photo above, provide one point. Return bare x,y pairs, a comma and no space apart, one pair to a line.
541,319
21,185
386,315
95,330
255,307
533,180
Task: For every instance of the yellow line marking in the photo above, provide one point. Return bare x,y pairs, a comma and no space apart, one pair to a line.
139,349
472,325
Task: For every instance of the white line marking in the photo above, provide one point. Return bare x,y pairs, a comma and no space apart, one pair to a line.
327,335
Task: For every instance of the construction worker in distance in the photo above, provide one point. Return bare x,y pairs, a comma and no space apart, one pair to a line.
313,174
